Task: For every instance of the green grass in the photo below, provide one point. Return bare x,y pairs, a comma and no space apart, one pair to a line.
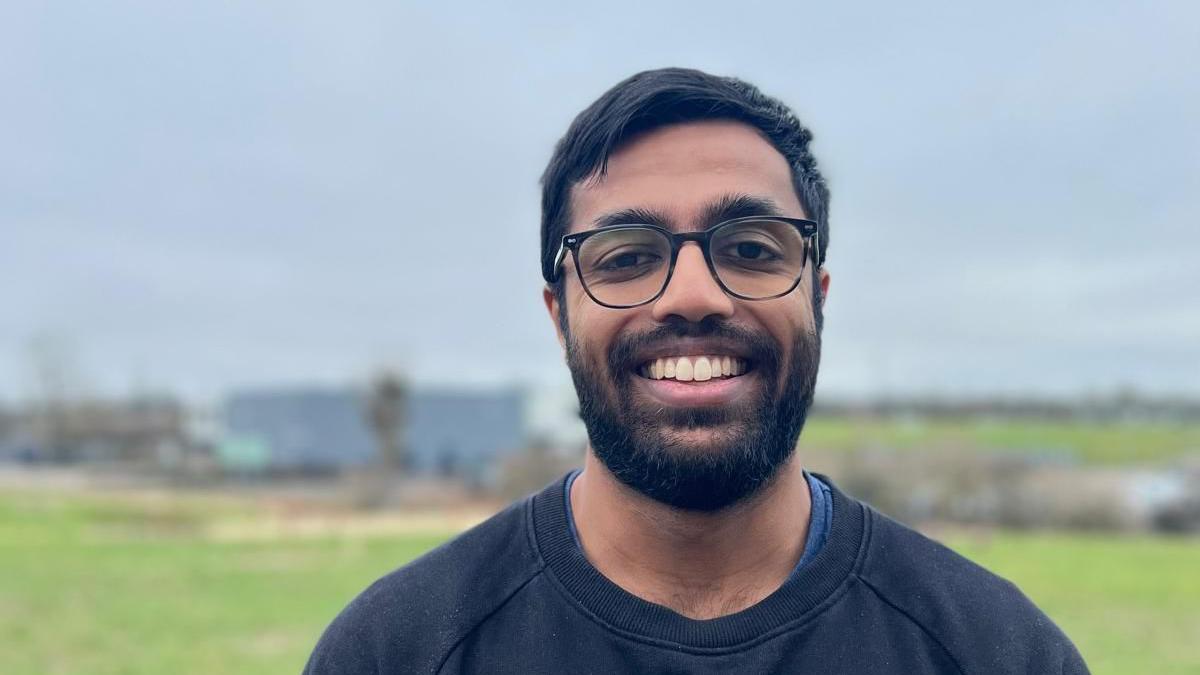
1130,604
1099,443
92,587
100,586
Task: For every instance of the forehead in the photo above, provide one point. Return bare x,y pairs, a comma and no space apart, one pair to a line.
680,169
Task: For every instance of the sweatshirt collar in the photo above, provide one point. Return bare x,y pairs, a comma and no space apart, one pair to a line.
803,594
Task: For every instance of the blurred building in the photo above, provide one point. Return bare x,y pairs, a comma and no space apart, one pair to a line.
464,433
146,431
294,430
445,432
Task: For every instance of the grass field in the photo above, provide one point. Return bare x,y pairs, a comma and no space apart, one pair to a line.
1091,443
102,585
1131,604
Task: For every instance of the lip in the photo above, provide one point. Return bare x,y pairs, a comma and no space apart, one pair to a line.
715,392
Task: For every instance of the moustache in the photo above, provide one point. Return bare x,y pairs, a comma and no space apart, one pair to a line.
758,346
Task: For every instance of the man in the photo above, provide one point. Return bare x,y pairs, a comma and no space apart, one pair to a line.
684,234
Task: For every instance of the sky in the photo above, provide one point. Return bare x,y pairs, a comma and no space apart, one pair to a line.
200,197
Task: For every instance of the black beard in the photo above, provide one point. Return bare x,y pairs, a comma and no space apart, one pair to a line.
635,444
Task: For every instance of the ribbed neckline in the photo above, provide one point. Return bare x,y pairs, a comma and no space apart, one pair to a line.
800,594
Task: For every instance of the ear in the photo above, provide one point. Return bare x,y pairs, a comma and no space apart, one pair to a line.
823,279
552,308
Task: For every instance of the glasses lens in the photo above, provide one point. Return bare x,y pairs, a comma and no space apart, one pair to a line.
758,259
624,267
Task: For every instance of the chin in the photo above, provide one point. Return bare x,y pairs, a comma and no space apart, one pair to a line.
699,440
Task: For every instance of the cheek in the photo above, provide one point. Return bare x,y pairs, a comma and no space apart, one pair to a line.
591,329
784,319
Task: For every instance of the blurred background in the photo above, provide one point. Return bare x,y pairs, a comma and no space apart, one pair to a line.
270,310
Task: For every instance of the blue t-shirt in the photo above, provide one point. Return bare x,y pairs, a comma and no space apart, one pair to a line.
818,521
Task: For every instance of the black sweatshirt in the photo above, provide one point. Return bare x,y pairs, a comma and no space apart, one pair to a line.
517,595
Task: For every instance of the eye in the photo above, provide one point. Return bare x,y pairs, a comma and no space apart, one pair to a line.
751,250
747,250
623,254
628,259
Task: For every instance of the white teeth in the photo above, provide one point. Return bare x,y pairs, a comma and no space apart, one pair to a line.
693,368
683,369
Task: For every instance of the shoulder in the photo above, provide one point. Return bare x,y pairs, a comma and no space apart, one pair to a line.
411,618
983,621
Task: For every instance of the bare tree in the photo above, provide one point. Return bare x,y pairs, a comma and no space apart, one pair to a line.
55,383
386,413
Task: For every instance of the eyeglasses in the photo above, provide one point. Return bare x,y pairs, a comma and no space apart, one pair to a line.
752,258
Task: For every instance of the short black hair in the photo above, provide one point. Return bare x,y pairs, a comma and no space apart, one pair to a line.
663,97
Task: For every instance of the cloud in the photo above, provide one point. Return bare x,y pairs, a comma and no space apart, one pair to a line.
213,195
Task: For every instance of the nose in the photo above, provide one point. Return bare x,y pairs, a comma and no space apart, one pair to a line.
693,293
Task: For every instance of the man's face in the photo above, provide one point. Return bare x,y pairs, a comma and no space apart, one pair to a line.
693,444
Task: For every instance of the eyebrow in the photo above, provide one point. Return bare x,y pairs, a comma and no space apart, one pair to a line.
634,216
738,206
727,207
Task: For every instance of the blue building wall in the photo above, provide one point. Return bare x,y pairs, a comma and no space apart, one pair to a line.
302,428
463,432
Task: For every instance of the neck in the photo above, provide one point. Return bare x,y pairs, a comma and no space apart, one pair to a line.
702,565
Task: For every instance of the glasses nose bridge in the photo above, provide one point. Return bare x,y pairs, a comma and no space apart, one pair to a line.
679,239
678,243
692,289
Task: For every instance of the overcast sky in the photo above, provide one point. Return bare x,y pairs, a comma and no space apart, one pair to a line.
200,196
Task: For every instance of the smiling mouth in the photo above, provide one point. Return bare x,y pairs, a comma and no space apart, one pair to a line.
695,368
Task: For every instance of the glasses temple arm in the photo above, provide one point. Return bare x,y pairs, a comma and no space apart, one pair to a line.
558,260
